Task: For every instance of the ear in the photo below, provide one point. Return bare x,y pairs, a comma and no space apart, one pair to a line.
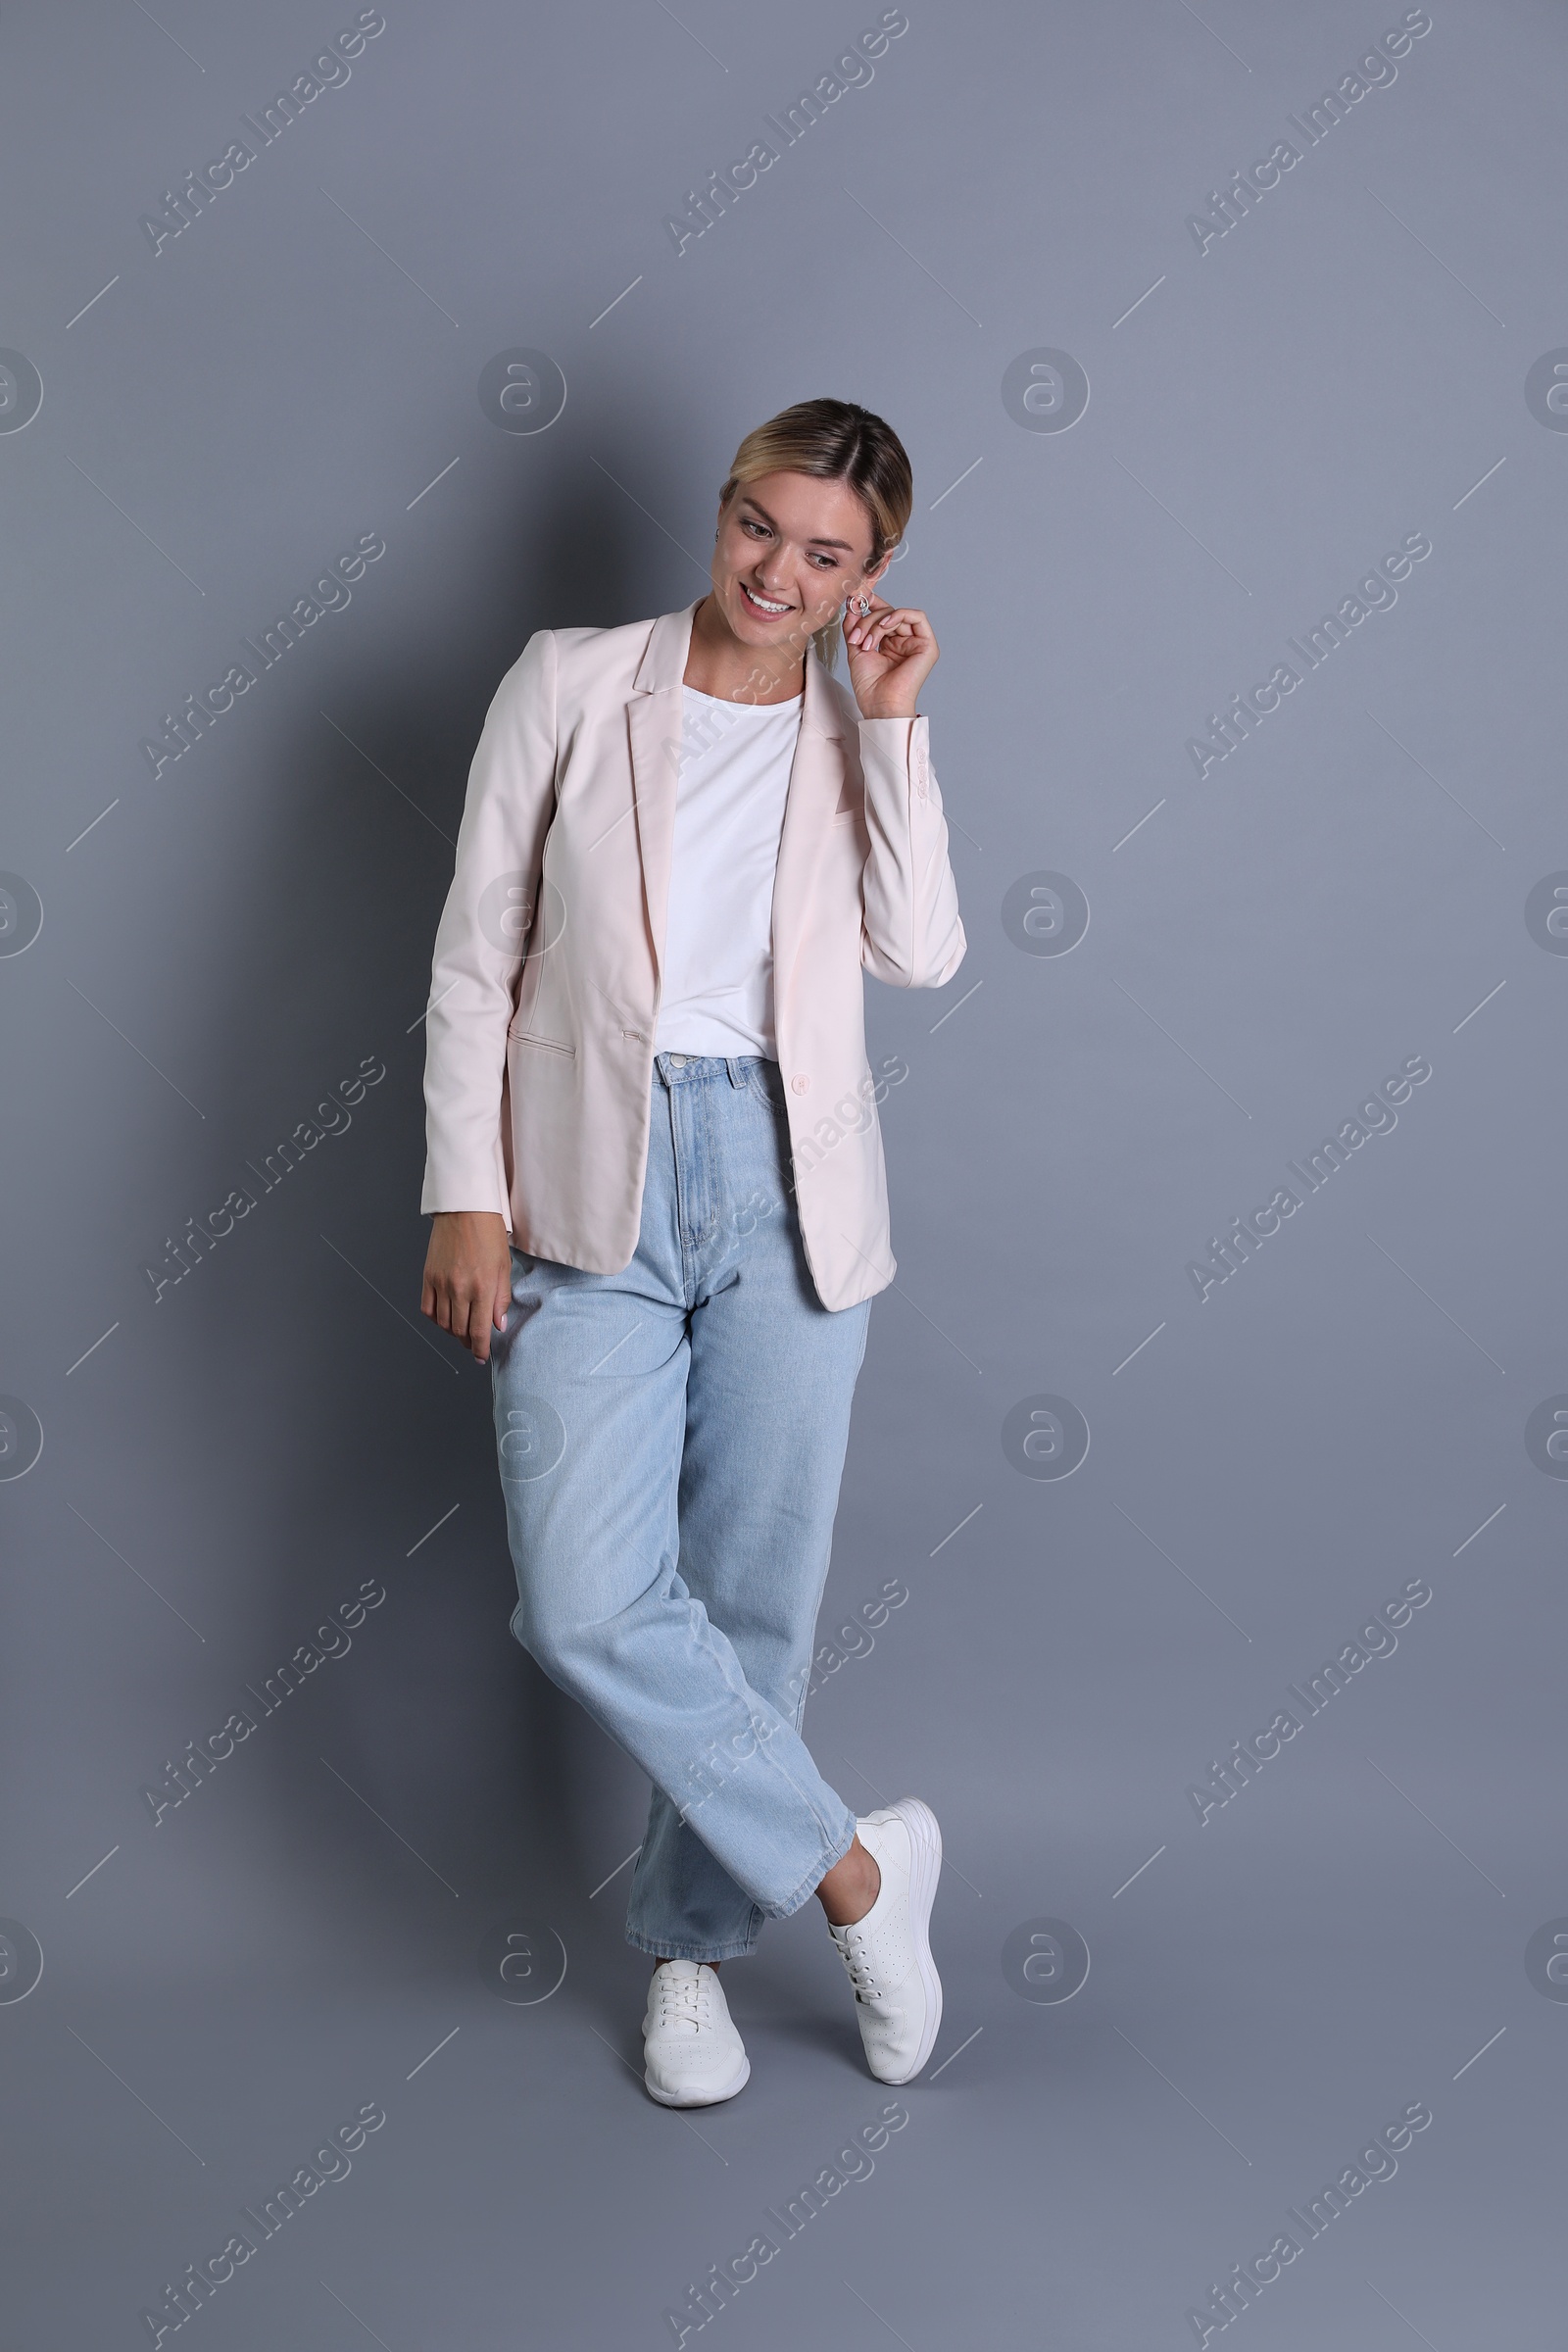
869,579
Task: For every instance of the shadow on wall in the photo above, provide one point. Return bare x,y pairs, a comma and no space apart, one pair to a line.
357,1431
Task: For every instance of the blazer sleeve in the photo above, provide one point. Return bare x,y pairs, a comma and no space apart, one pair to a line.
910,933
482,935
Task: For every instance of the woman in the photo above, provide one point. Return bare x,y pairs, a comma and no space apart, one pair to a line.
655,1177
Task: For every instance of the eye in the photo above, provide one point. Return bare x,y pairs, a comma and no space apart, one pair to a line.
748,523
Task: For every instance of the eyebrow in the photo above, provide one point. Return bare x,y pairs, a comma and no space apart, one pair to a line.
748,501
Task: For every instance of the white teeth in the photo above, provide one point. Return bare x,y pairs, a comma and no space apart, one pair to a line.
762,602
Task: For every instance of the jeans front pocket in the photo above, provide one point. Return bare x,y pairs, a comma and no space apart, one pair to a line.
765,1079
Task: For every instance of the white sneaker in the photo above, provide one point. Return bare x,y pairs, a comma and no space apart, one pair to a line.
888,1953
694,2056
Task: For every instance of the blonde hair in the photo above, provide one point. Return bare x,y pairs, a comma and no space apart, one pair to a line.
835,441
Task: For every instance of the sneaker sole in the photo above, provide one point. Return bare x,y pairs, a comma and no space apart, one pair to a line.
709,2098
925,1868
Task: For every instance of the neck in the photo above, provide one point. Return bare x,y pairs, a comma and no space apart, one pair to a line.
720,665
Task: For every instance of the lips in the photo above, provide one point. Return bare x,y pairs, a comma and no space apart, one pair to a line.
761,610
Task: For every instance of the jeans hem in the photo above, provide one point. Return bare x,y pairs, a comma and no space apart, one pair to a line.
672,1948
813,1879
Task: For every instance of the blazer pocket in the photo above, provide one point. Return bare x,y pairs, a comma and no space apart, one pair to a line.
546,1044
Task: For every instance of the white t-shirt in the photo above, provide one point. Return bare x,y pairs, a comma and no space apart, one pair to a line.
717,990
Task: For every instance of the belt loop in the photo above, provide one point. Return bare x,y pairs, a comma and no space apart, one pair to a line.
737,1076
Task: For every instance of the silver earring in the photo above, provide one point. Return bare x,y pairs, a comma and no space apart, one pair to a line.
864,605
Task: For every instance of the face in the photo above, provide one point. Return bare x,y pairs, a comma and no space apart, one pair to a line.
790,550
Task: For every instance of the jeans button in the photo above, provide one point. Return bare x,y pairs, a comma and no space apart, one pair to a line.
677,1061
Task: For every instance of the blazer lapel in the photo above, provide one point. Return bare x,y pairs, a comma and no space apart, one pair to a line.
654,727
816,779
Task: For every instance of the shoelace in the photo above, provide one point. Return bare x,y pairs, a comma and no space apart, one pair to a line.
860,1972
686,2000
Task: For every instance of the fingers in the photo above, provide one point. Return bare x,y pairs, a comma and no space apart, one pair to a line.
466,1305
467,1316
447,1306
488,1298
489,1313
885,626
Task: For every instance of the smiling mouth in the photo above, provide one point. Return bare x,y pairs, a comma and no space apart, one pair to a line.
769,611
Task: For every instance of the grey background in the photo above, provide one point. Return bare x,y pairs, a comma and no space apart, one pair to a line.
1342,369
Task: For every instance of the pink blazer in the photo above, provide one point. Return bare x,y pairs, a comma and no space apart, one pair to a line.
544,984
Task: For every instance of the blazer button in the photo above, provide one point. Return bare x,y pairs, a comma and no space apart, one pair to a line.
800,1082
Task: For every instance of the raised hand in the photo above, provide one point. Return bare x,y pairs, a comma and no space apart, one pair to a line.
891,654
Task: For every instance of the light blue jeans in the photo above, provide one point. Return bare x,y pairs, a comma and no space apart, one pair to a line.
671,1440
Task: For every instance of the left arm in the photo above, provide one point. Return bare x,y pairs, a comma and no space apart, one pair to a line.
911,936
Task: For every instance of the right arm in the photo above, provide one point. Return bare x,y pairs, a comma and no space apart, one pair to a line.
478,950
